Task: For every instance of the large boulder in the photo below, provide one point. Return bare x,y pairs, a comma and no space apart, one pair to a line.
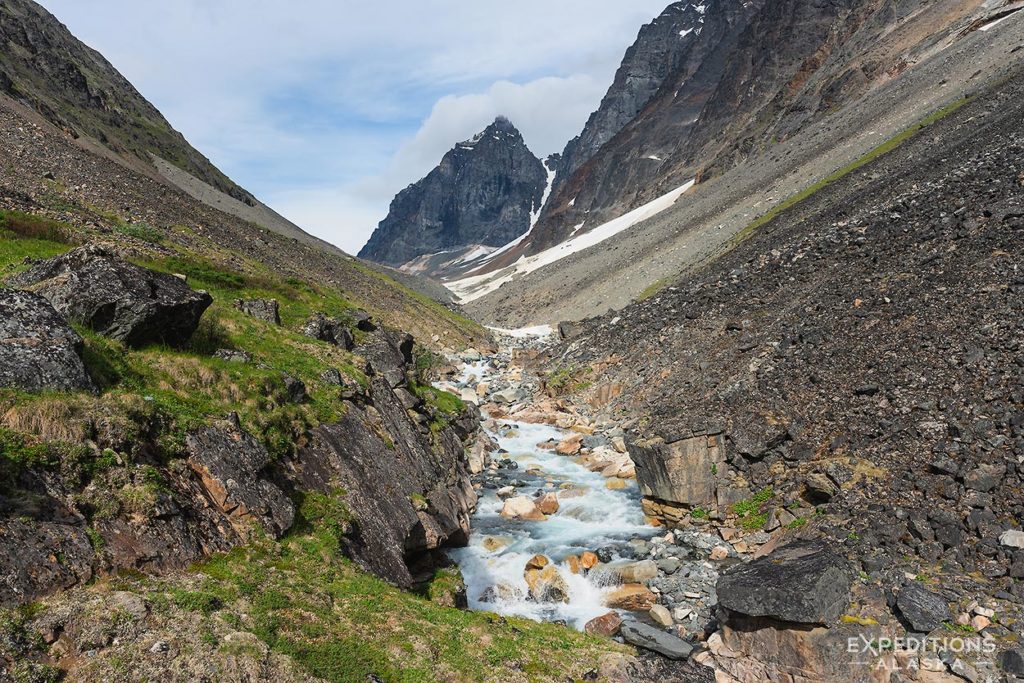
231,463
681,471
803,583
94,287
330,330
634,597
38,349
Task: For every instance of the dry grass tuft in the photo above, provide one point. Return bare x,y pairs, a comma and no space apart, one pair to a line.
51,419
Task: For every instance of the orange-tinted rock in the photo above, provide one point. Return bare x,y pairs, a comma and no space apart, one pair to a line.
548,503
632,596
537,562
606,625
570,445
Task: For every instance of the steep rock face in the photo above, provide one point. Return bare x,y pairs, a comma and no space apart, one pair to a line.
658,53
484,192
394,477
408,494
753,73
666,78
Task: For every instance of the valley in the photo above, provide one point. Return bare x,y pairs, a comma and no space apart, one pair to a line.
729,390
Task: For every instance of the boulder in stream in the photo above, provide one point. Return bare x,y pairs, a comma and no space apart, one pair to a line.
522,507
548,504
606,625
546,584
634,597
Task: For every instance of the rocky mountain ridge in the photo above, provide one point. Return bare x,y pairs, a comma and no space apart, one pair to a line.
44,67
485,193
707,220
751,75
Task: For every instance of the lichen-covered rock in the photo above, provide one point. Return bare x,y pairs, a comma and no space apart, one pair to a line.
38,556
330,330
38,349
230,463
266,310
93,286
802,582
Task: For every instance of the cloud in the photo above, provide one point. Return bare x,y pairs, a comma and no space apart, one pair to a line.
326,108
547,111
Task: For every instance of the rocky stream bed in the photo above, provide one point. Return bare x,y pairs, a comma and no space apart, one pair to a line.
559,533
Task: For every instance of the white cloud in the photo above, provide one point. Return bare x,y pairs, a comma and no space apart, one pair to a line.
548,111
325,108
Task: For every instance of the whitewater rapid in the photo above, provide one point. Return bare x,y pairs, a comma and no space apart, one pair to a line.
590,518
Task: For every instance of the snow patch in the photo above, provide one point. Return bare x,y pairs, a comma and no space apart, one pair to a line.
473,287
526,332
992,24
535,214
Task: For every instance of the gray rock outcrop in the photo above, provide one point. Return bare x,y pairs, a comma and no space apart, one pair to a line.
406,496
38,349
95,287
330,330
266,310
655,640
230,463
922,610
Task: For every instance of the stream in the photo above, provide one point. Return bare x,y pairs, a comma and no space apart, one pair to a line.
590,517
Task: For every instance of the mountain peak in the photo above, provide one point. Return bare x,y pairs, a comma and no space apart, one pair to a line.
484,192
500,129
503,123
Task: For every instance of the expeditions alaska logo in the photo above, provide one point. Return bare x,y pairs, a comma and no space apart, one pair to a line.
920,653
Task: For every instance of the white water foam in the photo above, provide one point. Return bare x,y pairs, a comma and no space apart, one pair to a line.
595,519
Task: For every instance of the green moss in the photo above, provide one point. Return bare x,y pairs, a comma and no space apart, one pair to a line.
326,512
141,231
749,512
196,601
699,513
96,540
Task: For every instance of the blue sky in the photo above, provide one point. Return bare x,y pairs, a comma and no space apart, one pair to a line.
325,109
